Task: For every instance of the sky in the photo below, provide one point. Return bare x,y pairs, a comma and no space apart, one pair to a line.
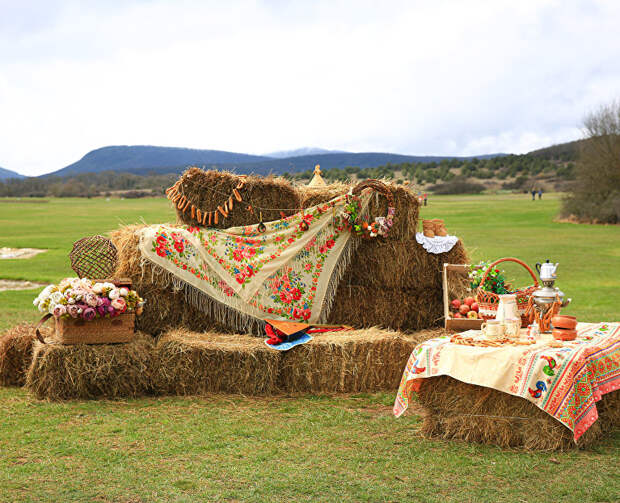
412,77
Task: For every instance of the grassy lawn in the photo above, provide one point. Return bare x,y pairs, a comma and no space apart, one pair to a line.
309,448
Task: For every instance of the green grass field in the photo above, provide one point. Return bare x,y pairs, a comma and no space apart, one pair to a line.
339,448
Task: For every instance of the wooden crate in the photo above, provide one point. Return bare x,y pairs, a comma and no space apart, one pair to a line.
97,331
456,324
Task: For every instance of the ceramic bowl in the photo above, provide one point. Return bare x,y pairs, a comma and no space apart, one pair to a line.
564,321
563,334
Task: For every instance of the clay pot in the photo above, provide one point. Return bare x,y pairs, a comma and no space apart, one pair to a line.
563,334
564,321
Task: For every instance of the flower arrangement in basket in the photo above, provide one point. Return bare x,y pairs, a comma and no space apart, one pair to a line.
492,284
91,312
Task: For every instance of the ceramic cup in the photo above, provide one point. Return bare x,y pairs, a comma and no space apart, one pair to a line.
512,327
493,329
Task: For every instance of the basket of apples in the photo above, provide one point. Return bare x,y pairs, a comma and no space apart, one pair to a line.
459,313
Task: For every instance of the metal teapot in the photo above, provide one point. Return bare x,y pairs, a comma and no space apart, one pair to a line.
547,270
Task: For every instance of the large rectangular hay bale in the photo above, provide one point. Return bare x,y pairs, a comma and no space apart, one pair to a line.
201,363
349,362
457,410
16,353
83,371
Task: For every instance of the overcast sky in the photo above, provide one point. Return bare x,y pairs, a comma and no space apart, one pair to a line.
414,77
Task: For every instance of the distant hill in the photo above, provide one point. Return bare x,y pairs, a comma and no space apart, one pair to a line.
568,151
303,151
144,160
5,174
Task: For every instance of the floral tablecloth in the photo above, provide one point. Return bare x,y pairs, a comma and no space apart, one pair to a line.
566,382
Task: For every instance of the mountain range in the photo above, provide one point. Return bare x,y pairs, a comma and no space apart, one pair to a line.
5,174
144,159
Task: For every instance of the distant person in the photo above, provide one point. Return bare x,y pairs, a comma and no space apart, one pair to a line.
539,193
533,194
425,199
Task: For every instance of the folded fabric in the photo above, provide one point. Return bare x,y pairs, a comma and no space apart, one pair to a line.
438,244
285,346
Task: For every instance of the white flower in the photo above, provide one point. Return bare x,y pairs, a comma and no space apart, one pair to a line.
114,294
98,288
124,292
55,297
108,286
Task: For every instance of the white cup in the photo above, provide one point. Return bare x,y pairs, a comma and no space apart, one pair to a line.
492,329
512,327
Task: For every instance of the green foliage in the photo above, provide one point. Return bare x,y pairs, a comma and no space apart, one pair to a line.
495,282
457,187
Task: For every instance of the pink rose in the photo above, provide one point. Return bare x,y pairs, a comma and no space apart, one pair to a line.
73,310
89,314
91,299
119,304
59,310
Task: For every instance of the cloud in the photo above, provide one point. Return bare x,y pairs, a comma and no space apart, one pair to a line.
413,77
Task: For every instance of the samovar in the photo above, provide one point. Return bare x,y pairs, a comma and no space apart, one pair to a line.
544,298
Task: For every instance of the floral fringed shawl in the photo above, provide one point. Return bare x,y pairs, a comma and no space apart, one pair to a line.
242,276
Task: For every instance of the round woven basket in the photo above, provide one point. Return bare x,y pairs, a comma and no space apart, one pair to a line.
489,301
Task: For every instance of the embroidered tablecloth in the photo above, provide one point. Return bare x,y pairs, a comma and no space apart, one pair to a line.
289,271
565,382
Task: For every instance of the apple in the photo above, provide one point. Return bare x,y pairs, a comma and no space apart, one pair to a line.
472,315
456,303
458,315
469,301
464,309
474,307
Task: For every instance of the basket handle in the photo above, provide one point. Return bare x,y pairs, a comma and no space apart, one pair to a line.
37,332
508,259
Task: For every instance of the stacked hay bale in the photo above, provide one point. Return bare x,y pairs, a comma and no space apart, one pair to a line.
390,282
85,371
356,361
393,282
201,363
16,353
456,410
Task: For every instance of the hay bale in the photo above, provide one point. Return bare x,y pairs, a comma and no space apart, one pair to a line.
456,410
165,308
396,309
201,363
311,196
349,362
400,264
208,189
85,371
16,353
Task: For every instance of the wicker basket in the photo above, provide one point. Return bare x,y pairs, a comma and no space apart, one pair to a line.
489,301
97,331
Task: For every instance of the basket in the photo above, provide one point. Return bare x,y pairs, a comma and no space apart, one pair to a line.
489,301
97,331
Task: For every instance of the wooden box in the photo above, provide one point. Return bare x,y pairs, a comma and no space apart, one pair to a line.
97,331
456,324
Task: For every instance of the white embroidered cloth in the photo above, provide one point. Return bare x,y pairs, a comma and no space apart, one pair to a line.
438,244
288,272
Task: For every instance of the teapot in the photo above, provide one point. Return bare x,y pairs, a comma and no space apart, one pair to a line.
546,271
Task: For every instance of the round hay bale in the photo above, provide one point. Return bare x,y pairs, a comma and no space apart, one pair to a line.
349,362
202,363
397,309
83,371
405,201
209,189
16,353
456,410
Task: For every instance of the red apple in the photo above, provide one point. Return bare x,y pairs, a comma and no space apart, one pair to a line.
456,303
458,315
472,315
469,301
464,309
474,307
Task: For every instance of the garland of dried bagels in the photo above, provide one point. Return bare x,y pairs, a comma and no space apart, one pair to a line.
203,217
